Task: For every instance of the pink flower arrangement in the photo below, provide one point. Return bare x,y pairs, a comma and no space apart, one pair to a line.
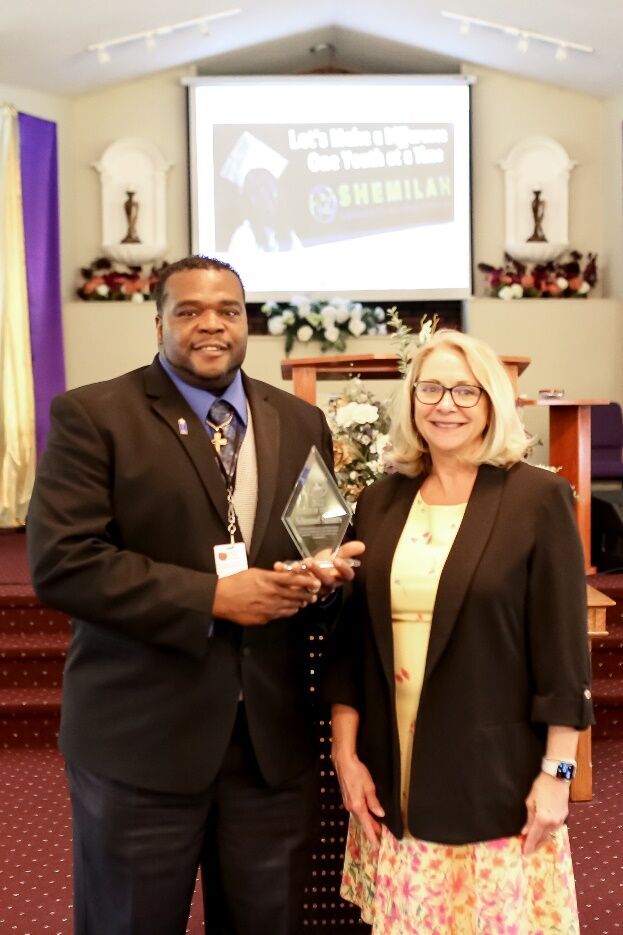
104,282
559,279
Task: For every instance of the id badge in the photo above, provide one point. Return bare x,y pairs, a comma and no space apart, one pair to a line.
230,558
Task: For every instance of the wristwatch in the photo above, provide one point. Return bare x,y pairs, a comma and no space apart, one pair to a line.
559,769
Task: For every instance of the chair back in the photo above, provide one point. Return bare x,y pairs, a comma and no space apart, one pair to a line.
606,442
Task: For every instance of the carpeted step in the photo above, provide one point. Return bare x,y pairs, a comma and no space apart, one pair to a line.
607,653
26,615
32,660
608,702
608,666
29,717
613,639
608,722
610,584
612,587
607,691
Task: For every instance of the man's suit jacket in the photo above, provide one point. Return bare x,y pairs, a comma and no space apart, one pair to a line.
124,516
508,653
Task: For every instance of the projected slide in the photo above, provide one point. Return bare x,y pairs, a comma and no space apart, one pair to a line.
358,186
337,181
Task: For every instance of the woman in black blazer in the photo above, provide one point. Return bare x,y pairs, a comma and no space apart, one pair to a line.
461,674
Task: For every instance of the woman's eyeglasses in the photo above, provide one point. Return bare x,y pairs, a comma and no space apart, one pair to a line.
430,393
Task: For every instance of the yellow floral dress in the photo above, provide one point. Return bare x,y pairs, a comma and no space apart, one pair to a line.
412,886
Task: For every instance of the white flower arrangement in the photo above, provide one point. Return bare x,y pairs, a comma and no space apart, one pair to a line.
359,423
331,322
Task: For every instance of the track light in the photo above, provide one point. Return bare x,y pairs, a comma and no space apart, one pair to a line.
523,35
150,36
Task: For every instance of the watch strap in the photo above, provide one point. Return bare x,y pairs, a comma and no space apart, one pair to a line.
559,769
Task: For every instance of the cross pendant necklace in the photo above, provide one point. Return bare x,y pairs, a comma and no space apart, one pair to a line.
218,440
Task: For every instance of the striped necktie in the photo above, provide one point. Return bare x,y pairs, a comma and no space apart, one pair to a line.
226,438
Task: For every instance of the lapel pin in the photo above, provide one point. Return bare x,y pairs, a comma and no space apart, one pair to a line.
182,426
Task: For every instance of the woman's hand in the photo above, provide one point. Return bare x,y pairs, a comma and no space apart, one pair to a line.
548,807
359,794
328,578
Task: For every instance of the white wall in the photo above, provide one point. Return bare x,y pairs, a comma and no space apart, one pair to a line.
575,345
59,109
106,339
507,109
154,108
612,196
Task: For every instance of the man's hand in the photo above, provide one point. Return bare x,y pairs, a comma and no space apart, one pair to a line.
359,794
255,596
548,806
329,578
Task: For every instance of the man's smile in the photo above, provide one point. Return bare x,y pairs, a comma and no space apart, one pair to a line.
212,347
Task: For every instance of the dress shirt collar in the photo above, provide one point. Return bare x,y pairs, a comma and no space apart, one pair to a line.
200,400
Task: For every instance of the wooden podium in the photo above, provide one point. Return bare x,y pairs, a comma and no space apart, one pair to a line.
306,371
570,449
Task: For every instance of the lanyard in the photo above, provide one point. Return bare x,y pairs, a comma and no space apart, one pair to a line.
230,486
232,519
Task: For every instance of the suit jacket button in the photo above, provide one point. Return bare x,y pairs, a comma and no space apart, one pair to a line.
246,651
587,693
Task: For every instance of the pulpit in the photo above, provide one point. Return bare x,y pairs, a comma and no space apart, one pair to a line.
306,371
570,449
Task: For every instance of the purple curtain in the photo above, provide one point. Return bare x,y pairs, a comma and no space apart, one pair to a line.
39,170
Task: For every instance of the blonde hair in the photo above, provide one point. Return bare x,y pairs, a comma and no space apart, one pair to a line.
504,440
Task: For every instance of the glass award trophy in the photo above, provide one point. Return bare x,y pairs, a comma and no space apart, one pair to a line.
316,514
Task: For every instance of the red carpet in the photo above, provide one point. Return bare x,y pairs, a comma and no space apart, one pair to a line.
33,642
34,808
608,663
13,564
35,847
35,836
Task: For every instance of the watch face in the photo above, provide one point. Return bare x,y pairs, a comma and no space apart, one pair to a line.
565,771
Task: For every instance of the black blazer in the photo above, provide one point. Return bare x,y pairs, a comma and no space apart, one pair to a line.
508,653
121,528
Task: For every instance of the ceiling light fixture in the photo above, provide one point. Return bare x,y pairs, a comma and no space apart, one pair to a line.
149,36
322,47
523,35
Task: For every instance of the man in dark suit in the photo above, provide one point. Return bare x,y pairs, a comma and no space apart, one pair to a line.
185,723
